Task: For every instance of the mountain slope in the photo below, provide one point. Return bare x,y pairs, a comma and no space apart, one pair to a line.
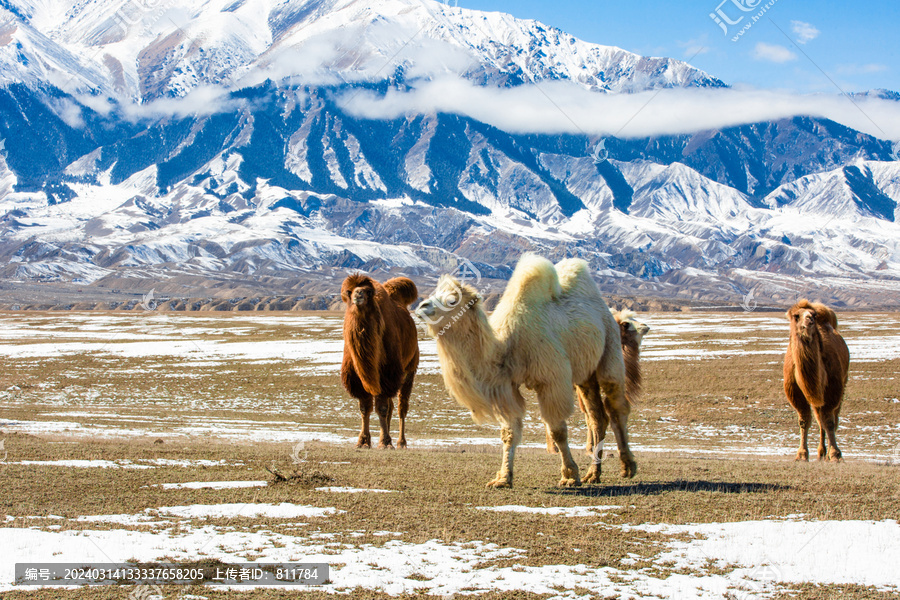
155,50
268,184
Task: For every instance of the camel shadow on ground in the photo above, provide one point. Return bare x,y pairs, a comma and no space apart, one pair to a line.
652,488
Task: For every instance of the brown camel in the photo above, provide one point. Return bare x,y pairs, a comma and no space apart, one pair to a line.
815,373
632,333
381,350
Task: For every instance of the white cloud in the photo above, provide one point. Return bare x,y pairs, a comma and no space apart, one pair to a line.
694,47
202,100
773,53
866,69
68,111
805,32
564,107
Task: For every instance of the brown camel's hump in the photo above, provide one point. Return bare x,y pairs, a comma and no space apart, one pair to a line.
825,314
402,290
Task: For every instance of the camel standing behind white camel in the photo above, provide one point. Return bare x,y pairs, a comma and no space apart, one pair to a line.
551,330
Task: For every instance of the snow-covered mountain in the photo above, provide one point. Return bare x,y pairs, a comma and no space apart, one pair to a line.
145,50
279,189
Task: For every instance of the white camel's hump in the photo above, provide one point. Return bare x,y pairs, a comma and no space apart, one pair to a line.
535,278
575,277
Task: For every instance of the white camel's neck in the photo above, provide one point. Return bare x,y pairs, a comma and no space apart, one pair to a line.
471,359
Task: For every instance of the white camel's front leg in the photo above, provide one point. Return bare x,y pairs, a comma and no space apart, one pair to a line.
511,434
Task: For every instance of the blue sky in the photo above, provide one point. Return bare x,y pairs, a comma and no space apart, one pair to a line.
856,44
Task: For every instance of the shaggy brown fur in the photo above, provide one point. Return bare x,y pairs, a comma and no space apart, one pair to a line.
381,350
815,373
631,332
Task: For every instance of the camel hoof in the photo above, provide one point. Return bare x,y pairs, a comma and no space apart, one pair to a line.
385,446
500,483
566,483
629,469
367,444
401,444
802,455
835,456
591,477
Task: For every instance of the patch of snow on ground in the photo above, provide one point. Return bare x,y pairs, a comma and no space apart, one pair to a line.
285,510
795,551
563,511
352,490
83,464
213,485
765,552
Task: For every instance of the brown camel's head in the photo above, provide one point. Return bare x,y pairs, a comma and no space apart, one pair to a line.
803,318
631,330
358,291
449,302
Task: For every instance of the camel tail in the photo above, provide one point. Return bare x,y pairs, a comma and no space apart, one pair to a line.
402,290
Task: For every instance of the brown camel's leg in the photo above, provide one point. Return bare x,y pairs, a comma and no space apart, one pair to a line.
403,407
365,409
384,407
821,450
828,424
511,434
595,415
618,408
804,415
804,418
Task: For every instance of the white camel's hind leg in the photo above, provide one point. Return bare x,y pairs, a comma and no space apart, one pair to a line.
569,468
556,405
596,419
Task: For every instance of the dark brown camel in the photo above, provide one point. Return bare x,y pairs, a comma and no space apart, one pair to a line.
381,351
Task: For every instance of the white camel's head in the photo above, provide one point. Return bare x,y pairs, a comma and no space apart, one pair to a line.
632,330
449,302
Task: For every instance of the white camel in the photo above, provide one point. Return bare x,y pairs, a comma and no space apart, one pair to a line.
551,330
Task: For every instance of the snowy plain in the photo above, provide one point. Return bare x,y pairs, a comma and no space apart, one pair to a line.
862,552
